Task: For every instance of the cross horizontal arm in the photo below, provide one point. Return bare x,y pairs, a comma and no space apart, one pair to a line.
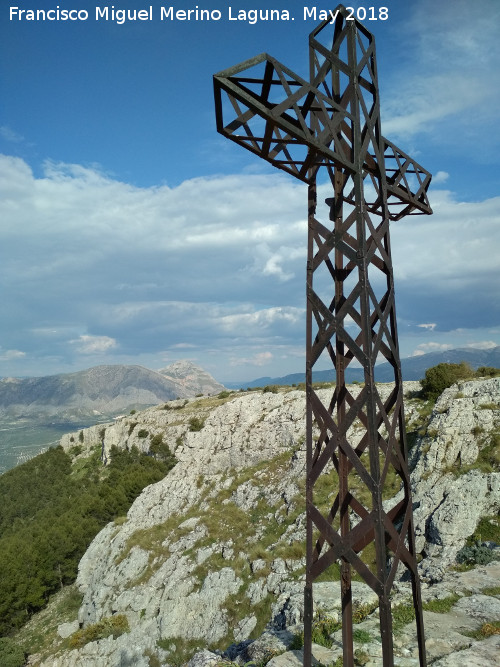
285,102
271,111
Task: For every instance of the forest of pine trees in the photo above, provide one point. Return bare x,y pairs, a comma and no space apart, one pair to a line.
51,509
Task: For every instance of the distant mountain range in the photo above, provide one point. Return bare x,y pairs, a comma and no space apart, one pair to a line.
102,391
412,368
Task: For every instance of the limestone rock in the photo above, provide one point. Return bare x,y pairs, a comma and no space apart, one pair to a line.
204,659
180,575
66,629
479,654
447,503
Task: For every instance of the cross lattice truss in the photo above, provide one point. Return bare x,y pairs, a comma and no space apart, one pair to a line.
331,126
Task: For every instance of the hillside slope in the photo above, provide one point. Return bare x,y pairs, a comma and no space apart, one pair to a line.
212,555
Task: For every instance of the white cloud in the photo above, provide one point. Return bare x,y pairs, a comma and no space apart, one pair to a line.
10,355
216,264
258,359
11,135
255,323
440,177
456,248
86,344
425,348
482,345
454,49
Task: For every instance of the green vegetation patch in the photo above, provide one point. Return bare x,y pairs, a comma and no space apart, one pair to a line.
114,626
11,655
441,606
361,636
440,377
477,554
196,423
402,614
486,630
39,634
180,650
487,371
49,513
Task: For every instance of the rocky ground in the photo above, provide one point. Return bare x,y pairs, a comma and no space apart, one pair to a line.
207,567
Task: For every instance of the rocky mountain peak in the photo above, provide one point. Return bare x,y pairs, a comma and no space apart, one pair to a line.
190,378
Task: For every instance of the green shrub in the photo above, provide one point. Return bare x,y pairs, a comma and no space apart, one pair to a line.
487,530
50,512
142,433
11,655
441,605
270,388
196,423
487,371
440,377
112,625
224,394
361,636
297,642
322,628
402,614
477,554
160,450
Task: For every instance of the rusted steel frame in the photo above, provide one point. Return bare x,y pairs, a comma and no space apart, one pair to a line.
339,128
308,591
297,130
360,150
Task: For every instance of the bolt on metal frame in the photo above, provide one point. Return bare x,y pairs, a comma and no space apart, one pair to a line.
331,125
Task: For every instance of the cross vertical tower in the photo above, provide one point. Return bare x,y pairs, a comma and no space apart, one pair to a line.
331,125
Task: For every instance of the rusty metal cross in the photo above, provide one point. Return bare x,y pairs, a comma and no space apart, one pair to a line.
356,440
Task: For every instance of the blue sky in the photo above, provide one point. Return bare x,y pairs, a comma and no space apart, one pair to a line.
131,232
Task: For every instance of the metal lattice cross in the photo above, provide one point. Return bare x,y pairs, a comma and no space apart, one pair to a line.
331,124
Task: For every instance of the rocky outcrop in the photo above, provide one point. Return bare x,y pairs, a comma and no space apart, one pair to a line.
213,554
456,477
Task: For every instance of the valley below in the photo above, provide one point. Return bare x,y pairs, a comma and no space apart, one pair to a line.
22,439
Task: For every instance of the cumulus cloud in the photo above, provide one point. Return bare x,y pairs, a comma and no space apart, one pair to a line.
482,345
453,49
216,266
10,355
446,264
258,359
440,177
253,323
425,348
93,344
